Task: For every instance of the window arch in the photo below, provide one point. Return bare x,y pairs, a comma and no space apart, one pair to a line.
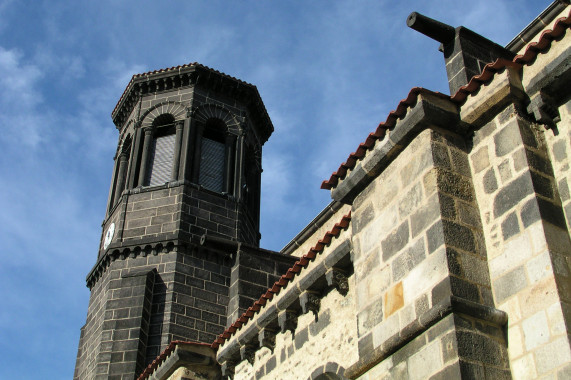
329,371
120,173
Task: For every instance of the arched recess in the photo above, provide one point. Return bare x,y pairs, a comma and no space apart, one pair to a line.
176,109
208,111
329,371
123,137
120,172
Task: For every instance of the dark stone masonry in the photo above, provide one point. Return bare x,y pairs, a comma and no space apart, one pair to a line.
445,253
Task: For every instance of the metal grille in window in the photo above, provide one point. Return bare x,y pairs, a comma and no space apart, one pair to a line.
161,160
211,174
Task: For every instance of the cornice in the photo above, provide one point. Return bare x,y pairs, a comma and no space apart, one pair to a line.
193,74
157,245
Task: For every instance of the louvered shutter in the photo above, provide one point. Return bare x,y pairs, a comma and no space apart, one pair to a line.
211,174
161,160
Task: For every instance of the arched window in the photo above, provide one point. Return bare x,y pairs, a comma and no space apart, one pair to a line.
161,154
214,171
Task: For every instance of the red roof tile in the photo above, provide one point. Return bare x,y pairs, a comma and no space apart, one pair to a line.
297,267
487,74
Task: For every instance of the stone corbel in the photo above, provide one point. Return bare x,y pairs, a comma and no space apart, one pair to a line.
267,338
287,319
248,352
227,368
310,301
338,279
542,107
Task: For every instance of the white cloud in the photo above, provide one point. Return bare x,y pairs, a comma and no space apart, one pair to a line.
18,82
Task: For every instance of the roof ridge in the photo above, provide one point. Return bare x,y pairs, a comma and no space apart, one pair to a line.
532,50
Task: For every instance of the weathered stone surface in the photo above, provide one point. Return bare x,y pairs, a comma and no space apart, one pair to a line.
480,159
490,182
507,139
509,284
455,185
393,299
510,226
424,216
395,241
512,194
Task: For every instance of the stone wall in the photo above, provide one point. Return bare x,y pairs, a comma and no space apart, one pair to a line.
527,239
329,334
450,258
418,243
139,305
460,242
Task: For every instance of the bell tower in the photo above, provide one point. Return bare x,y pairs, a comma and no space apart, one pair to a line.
184,197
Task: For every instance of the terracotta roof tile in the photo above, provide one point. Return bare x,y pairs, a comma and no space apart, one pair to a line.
297,267
487,74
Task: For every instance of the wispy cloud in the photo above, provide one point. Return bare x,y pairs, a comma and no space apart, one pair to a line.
17,105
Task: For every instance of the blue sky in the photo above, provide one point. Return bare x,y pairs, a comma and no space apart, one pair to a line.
328,72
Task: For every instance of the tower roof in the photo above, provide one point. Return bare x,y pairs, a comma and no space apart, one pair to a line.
192,74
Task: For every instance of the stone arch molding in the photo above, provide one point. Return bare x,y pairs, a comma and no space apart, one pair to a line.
329,371
208,111
178,110
123,138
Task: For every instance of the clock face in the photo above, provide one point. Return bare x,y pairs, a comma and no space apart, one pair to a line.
109,236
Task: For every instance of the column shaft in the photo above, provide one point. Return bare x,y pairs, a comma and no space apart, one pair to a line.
145,157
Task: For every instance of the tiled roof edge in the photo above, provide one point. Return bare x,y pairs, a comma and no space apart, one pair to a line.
275,289
379,134
531,52
164,355
487,74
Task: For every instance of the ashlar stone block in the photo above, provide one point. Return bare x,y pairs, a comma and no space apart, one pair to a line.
552,355
425,362
535,330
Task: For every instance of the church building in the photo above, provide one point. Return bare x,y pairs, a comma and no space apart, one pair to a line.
445,252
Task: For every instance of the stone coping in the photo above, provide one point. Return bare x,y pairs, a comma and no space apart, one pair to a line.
311,227
430,110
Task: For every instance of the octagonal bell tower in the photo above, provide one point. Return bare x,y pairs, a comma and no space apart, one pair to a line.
187,171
